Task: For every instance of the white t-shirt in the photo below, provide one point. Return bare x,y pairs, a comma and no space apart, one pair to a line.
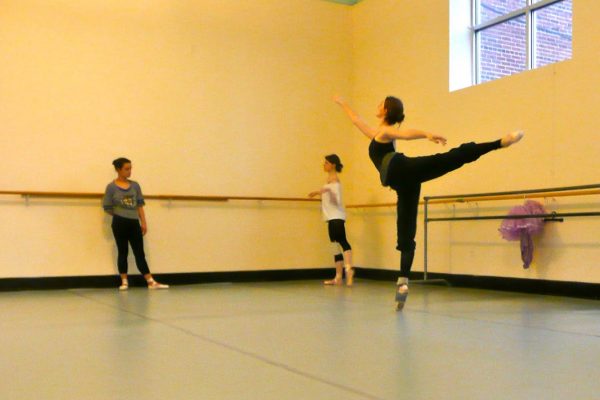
330,209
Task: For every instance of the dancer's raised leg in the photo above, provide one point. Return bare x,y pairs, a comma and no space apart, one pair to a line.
430,167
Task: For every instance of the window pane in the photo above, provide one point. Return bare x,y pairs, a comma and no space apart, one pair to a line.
490,9
502,49
553,33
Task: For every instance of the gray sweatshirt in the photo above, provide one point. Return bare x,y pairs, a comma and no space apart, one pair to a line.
123,202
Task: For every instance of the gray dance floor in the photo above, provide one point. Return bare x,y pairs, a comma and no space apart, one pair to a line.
297,340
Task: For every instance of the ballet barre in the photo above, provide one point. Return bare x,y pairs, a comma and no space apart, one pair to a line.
583,190
169,197
483,197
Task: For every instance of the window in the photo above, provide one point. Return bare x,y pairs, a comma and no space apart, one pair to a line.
511,36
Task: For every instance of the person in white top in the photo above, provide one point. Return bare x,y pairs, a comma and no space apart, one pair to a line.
334,214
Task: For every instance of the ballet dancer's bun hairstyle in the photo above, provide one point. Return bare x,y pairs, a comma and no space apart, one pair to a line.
394,110
119,162
335,160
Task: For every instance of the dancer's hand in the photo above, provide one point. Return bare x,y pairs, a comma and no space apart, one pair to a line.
437,139
144,229
313,194
356,120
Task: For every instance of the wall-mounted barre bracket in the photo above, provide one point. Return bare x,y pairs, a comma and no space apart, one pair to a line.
554,218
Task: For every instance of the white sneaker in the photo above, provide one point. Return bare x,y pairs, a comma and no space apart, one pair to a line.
152,284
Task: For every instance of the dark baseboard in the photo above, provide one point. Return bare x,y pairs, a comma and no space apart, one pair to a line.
57,282
536,286
188,278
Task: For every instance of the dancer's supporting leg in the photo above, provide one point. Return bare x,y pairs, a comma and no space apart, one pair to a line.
120,232
129,232
348,266
342,261
406,226
337,233
338,258
137,245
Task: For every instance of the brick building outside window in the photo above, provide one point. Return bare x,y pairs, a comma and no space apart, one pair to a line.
511,36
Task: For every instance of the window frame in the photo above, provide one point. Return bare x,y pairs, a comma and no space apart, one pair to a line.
528,11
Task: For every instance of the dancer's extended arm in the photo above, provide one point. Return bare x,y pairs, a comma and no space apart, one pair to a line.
355,118
319,192
332,195
390,133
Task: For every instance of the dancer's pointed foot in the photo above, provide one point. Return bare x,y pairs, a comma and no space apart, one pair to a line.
401,293
124,285
349,275
512,138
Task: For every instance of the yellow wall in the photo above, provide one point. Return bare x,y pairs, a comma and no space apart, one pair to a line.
401,48
205,96
229,97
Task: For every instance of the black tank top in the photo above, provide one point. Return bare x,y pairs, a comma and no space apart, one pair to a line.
377,150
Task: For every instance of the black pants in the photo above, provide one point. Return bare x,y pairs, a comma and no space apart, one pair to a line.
128,231
405,176
337,233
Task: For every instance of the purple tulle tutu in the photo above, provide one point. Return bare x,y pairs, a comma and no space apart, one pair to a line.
523,229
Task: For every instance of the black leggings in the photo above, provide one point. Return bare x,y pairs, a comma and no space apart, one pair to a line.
405,175
337,233
128,231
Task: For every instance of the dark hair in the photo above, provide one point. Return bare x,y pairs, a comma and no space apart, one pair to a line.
119,162
394,110
335,160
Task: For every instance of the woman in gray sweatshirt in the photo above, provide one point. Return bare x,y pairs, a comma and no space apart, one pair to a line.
123,200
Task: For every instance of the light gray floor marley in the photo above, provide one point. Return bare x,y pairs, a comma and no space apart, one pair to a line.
297,340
